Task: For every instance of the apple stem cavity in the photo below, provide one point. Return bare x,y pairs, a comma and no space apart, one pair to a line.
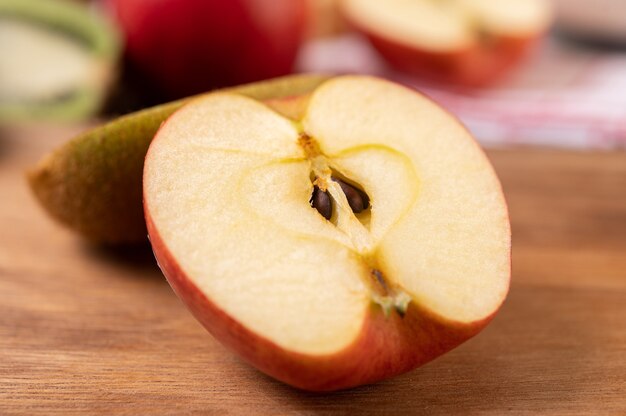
309,145
378,276
388,298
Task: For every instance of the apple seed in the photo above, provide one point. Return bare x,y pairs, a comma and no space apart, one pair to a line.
357,199
320,200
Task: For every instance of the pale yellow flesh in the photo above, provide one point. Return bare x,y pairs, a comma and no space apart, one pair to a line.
301,289
39,64
228,189
449,25
450,247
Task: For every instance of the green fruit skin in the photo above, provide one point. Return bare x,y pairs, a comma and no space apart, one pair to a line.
76,20
93,183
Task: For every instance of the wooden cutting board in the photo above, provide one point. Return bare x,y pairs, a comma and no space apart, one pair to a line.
91,330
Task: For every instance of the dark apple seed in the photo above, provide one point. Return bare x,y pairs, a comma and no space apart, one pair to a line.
320,200
357,199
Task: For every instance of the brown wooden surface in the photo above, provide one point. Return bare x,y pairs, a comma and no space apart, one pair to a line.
87,330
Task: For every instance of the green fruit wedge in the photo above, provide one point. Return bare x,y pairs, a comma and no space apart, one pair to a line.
58,60
92,184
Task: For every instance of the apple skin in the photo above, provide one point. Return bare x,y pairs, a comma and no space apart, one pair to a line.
385,347
478,66
190,46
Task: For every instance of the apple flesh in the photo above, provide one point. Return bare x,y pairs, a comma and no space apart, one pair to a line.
190,46
325,304
462,42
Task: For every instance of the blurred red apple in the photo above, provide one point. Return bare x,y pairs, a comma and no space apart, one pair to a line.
189,46
457,42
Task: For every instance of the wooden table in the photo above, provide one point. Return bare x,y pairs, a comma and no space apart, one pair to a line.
89,330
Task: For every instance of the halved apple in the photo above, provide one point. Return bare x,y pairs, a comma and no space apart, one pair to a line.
413,259
463,42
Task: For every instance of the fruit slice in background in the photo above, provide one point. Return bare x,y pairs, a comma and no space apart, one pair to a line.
190,46
233,208
92,184
58,60
460,42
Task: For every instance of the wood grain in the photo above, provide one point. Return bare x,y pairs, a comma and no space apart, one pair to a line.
90,330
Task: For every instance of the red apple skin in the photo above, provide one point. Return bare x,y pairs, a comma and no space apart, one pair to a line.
385,347
479,66
191,46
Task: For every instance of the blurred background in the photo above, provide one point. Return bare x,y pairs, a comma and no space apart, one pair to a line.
547,72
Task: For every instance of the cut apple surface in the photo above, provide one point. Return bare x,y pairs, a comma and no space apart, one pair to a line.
466,42
413,260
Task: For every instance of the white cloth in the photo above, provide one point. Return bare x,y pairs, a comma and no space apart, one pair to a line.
563,95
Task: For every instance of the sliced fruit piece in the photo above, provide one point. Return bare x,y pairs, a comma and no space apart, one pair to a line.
92,184
321,301
463,42
59,60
